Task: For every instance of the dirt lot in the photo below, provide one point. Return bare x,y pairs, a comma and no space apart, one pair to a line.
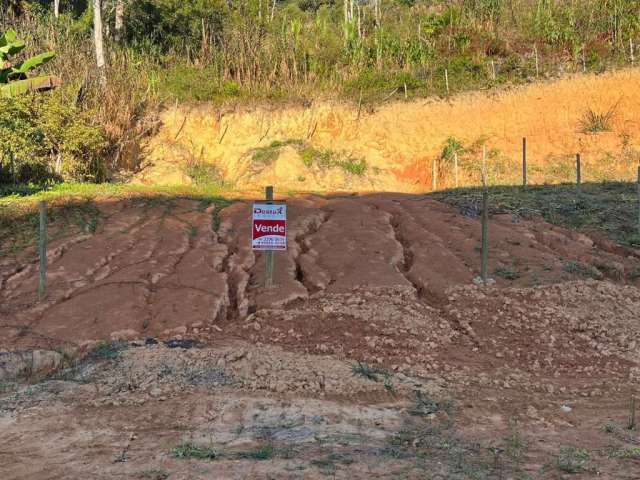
375,355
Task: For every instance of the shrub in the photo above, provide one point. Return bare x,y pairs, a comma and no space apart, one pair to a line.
43,138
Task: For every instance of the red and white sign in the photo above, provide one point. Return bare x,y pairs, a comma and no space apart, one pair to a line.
269,227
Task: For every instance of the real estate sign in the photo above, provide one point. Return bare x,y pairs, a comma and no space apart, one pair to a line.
269,227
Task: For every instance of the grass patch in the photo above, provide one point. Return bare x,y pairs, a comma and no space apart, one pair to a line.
152,474
424,406
508,273
632,452
107,350
597,122
329,464
366,371
583,270
572,459
190,450
264,452
204,173
327,159
265,156
608,208
73,207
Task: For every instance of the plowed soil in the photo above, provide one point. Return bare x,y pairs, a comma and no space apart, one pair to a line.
547,356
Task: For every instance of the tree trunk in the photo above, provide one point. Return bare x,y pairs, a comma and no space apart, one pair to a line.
56,8
98,41
119,23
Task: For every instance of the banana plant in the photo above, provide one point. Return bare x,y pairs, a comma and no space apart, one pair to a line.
13,77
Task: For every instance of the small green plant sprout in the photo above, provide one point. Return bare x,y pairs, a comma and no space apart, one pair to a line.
572,459
13,76
188,450
597,122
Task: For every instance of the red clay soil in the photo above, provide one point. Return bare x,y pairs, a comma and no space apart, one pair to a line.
155,266
385,279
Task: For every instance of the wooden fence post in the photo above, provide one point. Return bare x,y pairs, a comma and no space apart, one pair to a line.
446,79
578,174
455,166
434,175
638,200
42,250
524,161
484,265
269,253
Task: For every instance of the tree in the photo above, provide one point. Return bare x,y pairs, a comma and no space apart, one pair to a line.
98,41
119,20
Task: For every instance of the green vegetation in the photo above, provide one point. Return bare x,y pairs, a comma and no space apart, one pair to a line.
597,122
152,474
326,159
289,50
572,459
366,371
107,350
583,270
507,272
264,452
424,406
329,464
13,77
265,156
189,450
44,138
610,208
73,208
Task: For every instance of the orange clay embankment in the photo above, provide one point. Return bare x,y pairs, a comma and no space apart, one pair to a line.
400,140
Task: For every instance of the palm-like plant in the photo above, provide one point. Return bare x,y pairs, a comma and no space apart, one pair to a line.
13,77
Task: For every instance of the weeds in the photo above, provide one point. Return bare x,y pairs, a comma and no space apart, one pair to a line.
152,474
329,464
508,273
265,156
572,459
204,174
264,452
107,350
583,270
189,450
424,406
608,208
326,159
366,371
633,452
597,122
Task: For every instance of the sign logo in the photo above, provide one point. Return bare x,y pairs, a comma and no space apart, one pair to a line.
269,227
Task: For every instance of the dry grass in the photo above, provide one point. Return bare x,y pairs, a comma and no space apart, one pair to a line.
402,139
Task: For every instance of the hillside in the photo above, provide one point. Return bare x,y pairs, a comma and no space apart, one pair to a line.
319,148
